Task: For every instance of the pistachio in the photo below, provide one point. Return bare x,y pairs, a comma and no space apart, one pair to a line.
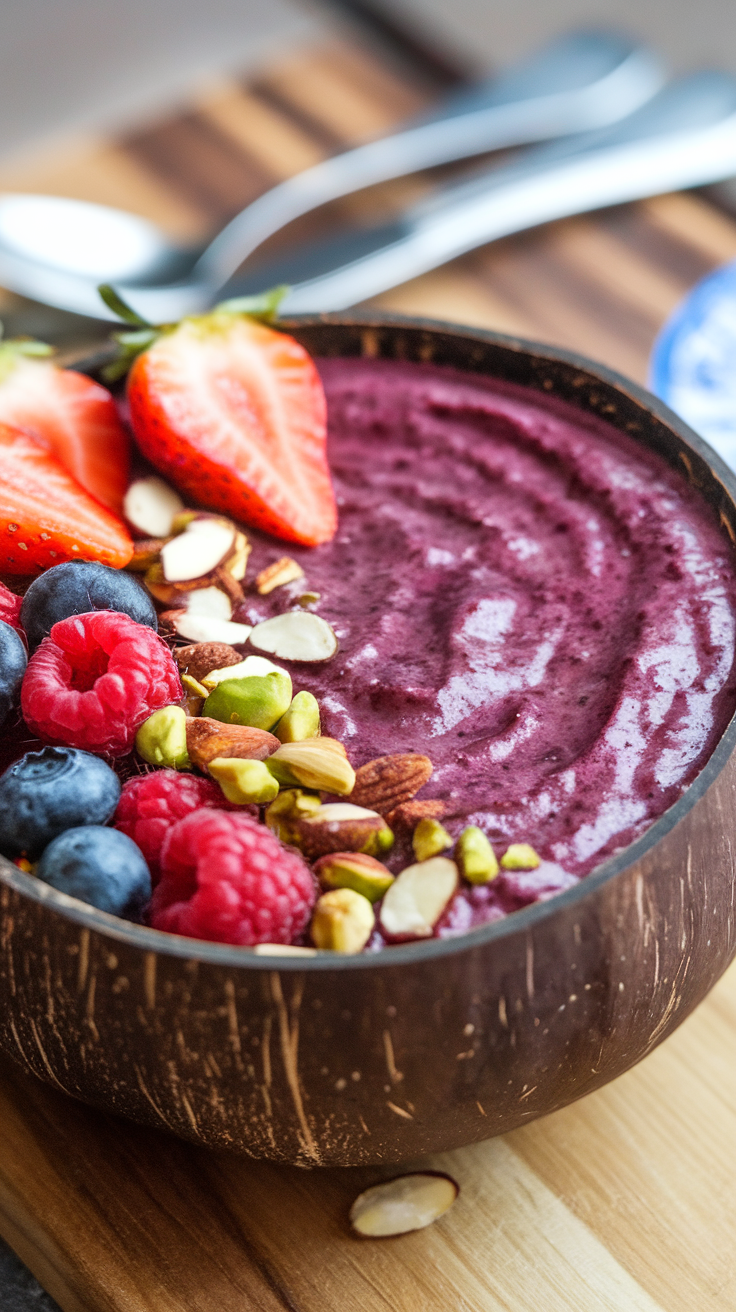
209,739
291,806
417,898
429,839
520,856
475,856
192,687
151,506
162,738
338,827
319,763
297,635
243,781
343,921
278,574
354,870
300,721
406,1203
242,670
200,658
259,700
183,519
309,599
146,552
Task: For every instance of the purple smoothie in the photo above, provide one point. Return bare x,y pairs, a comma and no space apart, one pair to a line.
523,593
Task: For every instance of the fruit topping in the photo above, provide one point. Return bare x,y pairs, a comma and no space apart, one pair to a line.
234,413
475,856
354,870
150,506
77,587
10,605
151,803
49,791
226,878
95,679
162,738
209,739
259,700
409,1202
319,763
74,418
100,866
13,661
46,516
343,921
282,571
429,839
297,635
417,898
388,781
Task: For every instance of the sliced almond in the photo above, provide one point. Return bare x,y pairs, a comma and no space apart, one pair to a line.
150,505
298,635
203,545
277,575
237,561
282,950
207,628
243,670
212,602
406,1203
417,898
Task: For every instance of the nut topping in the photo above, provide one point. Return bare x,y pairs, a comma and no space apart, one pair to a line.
389,781
430,838
418,897
201,658
408,814
209,739
319,763
302,720
162,738
244,782
297,635
354,870
277,575
409,1202
204,544
520,856
475,856
336,827
343,921
150,506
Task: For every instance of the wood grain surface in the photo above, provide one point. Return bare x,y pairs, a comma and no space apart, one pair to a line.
623,1202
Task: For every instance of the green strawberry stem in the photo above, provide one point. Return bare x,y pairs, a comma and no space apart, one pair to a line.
264,306
16,347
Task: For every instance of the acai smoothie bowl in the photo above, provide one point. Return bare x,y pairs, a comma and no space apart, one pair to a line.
367,754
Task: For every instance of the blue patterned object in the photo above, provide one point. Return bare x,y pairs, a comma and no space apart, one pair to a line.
693,365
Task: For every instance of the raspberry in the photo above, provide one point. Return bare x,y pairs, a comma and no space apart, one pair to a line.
95,679
151,803
10,607
226,878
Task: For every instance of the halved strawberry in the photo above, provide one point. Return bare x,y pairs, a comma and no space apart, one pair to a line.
73,417
10,605
46,517
234,413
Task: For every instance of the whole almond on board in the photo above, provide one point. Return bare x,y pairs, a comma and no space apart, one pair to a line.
200,658
408,815
389,781
208,740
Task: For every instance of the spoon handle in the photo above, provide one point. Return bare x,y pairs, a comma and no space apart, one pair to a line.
579,81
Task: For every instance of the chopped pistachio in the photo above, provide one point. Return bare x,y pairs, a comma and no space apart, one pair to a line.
258,700
309,599
300,721
243,781
319,763
475,856
430,838
343,921
162,738
354,870
284,814
520,856
193,686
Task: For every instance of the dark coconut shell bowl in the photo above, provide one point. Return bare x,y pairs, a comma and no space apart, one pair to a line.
340,1061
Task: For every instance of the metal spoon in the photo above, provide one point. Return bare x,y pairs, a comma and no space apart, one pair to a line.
57,250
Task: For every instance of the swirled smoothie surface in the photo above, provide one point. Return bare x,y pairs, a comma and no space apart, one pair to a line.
523,593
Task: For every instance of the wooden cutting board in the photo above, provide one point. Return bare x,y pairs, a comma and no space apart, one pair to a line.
624,1202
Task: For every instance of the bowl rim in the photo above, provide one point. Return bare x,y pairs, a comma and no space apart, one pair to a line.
519,922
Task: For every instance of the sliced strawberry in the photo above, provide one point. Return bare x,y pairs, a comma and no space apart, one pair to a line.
234,413
75,418
10,605
46,517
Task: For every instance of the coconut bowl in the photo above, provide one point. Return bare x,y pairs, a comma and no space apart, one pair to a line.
340,1061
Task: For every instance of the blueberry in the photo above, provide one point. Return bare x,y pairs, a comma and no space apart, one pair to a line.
49,791
76,588
100,866
13,661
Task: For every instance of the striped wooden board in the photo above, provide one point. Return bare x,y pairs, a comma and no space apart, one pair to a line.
622,1202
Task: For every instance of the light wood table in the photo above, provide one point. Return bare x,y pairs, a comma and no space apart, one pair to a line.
623,1202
